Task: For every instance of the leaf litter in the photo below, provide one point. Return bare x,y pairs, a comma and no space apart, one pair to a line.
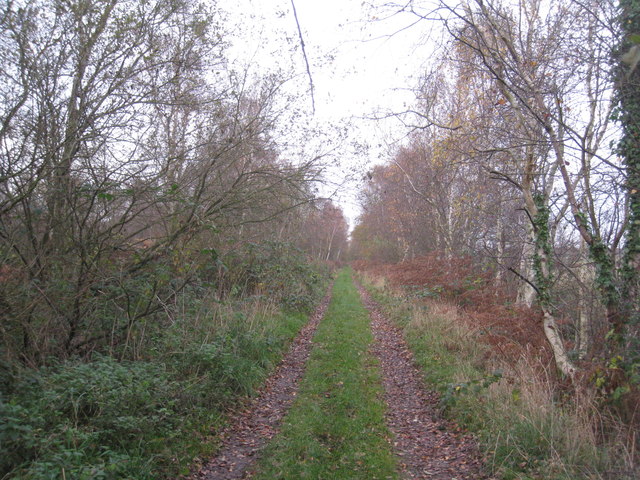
250,429
427,445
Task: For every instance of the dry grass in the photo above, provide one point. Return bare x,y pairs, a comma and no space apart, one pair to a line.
377,281
208,317
532,426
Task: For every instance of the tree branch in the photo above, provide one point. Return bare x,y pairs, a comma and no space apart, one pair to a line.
304,54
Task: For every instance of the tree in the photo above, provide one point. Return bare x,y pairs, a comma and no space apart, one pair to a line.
530,59
536,88
627,78
127,149
322,231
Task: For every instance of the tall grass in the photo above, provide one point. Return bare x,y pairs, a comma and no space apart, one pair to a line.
150,409
529,425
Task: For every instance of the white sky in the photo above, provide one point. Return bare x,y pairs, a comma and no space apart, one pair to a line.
357,69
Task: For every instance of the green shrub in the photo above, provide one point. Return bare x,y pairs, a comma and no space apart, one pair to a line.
149,414
70,416
136,419
281,272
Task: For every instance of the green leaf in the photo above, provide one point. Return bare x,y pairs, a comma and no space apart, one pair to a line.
106,196
620,391
635,38
211,252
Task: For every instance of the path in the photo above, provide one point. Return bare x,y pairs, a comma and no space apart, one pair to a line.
425,445
250,430
424,441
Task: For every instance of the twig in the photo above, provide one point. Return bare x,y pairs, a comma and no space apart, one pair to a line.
523,278
304,54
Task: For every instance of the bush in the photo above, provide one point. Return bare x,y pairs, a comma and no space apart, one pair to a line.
73,415
150,413
108,419
281,272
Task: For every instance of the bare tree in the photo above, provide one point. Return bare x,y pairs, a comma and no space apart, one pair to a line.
535,87
127,146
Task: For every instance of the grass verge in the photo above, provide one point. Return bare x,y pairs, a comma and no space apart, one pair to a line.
335,428
528,428
146,418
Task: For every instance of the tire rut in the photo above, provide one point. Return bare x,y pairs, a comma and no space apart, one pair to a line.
425,443
252,428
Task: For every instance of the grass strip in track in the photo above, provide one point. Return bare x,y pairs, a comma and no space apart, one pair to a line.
336,428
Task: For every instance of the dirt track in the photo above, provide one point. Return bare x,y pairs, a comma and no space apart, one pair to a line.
427,446
250,430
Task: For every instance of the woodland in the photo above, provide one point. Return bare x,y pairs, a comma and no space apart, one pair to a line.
161,248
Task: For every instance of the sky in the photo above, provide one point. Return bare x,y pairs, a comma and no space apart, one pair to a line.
362,67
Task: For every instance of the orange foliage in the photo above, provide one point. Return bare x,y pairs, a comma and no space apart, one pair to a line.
510,330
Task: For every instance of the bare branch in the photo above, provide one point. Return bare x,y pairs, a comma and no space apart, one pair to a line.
304,54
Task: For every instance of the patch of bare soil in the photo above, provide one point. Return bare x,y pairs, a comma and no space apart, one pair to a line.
428,446
252,428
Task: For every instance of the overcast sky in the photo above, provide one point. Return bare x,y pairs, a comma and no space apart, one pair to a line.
358,69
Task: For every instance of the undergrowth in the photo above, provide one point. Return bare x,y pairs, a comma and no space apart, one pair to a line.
149,408
528,427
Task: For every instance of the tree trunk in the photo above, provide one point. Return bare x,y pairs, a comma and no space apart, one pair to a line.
500,245
586,276
526,293
555,340
628,100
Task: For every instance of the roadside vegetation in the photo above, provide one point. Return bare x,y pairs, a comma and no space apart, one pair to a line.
154,262
509,216
516,193
150,409
531,425
335,428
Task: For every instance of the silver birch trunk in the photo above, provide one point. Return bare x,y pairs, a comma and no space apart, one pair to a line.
526,293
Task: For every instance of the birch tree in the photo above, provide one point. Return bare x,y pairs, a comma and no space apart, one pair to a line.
627,77
544,132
